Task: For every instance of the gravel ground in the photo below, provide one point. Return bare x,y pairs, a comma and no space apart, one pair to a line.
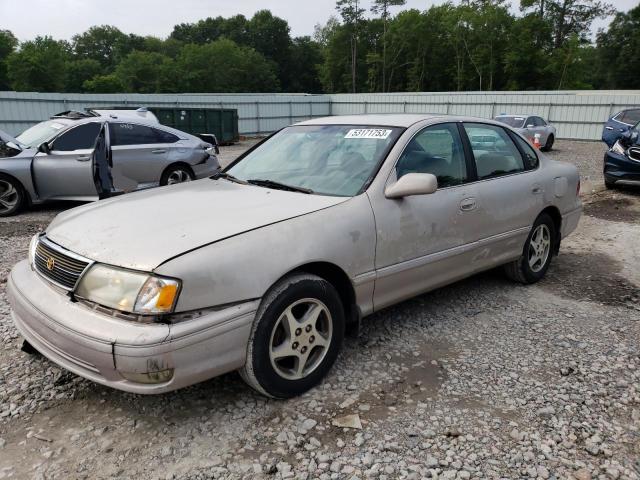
481,379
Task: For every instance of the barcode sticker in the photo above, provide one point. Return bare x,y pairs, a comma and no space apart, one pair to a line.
380,133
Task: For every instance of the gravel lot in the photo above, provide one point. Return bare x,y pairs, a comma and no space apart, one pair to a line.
481,379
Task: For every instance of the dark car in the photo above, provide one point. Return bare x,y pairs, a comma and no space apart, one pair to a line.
619,124
622,160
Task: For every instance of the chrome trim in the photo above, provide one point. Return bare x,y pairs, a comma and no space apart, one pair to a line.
632,183
635,151
63,251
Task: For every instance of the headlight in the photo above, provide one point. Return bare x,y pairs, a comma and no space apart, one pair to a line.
32,249
618,148
129,291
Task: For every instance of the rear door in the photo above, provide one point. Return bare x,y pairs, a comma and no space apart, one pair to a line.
66,172
139,155
509,197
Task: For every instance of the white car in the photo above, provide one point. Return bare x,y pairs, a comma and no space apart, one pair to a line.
530,126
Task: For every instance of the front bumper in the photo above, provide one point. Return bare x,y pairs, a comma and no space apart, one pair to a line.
101,348
620,169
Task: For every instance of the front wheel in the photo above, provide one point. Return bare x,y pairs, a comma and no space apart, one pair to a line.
12,196
176,174
295,338
536,256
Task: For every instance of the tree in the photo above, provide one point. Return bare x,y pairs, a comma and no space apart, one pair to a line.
306,58
8,43
381,7
39,65
105,44
224,66
569,18
617,52
351,14
147,72
79,71
104,84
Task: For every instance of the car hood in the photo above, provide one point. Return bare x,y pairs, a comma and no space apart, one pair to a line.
144,229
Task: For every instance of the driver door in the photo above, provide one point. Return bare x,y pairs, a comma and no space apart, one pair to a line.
66,172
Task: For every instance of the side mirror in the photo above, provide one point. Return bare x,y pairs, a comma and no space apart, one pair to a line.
412,184
44,148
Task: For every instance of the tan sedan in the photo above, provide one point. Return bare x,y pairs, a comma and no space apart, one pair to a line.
261,268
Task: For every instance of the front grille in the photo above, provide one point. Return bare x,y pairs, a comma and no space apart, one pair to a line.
62,268
634,153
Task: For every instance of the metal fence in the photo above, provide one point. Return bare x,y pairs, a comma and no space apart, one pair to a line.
576,114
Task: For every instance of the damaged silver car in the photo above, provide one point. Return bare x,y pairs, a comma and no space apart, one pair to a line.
53,160
324,223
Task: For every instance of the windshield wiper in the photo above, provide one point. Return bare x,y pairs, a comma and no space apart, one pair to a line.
227,176
277,185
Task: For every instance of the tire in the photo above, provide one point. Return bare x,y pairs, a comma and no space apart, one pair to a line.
276,374
177,174
523,270
12,196
549,144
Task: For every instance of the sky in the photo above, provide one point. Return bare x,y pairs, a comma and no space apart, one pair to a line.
62,19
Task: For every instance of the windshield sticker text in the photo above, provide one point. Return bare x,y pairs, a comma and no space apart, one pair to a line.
379,133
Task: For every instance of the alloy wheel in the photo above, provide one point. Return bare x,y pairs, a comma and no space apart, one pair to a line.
178,176
300,338
539,247
8,196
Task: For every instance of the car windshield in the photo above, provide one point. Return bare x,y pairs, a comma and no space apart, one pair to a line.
515,122
40,133
326,159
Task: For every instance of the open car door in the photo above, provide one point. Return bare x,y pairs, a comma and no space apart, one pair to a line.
64,168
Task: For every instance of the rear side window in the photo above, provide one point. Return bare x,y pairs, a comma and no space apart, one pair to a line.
494,152
436,150
630,117
82,137
530,157
134,134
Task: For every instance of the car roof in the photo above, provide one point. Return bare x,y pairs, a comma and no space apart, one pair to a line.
382,120
513,115
394,119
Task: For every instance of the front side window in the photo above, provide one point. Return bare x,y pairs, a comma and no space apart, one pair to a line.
82,137
494,152
132,134
437,150
327,159
540,122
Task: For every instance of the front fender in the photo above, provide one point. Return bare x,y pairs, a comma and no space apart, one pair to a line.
245,266
19,167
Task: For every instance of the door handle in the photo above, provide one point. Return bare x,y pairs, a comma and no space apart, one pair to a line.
468,204
158,151
536,189
83,158
608,128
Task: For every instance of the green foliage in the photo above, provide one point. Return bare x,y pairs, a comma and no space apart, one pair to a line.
466,45
39,66
8,43
224,66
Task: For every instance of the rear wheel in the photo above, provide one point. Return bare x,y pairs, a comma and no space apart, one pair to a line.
296,337
12,196
536,256
177,174
549,145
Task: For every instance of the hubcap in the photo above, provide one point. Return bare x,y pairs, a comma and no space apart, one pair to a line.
178,176
8,196
539,248
300,338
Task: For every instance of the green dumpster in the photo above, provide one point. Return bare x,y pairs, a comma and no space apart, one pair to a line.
223,123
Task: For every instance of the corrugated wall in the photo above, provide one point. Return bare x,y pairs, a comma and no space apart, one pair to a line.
257,113
576,114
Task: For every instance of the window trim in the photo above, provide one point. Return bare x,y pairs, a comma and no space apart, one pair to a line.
51,142
513,136
471,175
473,158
